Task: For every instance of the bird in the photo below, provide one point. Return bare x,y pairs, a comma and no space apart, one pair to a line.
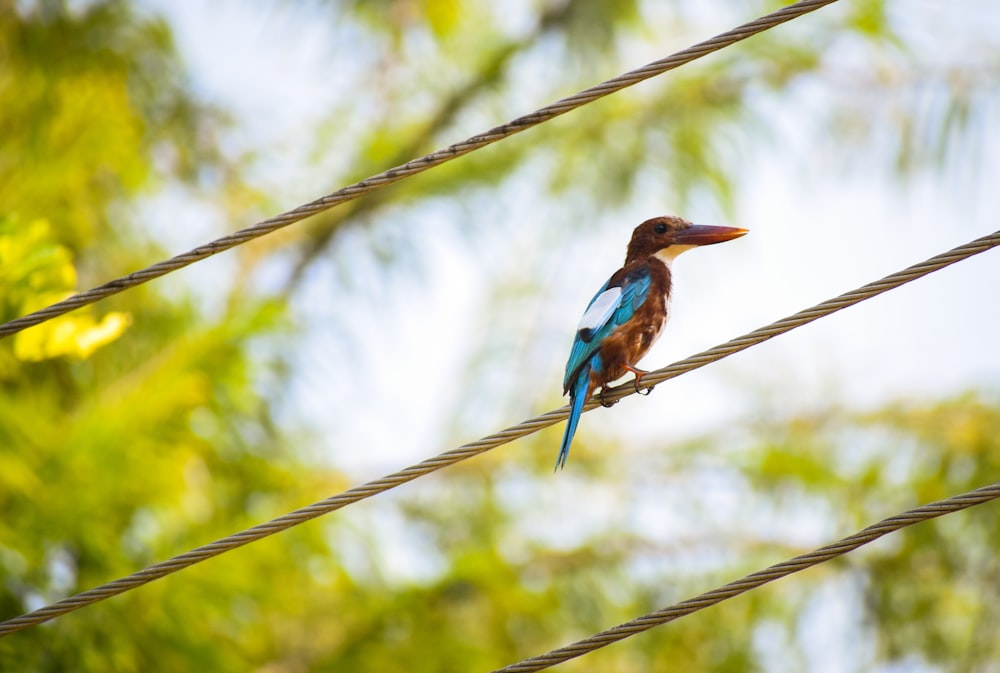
627,315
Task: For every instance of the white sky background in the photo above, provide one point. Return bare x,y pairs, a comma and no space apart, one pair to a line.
817,230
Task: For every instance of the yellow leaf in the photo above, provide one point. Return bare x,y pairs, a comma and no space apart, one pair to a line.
76,336
110,328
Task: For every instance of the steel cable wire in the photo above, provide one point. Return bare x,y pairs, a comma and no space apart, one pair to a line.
461,453
754,580
413,167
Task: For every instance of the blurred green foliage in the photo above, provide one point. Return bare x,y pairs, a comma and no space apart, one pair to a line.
113,458
141,427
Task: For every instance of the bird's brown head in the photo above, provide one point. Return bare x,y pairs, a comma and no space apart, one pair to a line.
666,237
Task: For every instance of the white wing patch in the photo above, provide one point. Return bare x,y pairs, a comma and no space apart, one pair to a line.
600,309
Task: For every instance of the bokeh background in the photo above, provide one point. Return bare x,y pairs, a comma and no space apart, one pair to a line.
852,142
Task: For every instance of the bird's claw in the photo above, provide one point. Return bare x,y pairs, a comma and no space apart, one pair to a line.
604,402
637,381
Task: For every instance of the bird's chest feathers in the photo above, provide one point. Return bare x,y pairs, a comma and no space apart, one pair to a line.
650,319
653,312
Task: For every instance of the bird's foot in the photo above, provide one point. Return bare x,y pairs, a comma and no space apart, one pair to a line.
637,381
604,402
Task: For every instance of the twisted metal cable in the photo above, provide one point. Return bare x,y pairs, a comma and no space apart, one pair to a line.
413,167
447,458
754,580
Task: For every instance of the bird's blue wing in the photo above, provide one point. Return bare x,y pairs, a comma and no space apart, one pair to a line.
613,305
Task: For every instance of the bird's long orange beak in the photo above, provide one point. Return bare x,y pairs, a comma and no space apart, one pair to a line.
704,234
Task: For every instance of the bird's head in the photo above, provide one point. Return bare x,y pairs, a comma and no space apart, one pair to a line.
666,237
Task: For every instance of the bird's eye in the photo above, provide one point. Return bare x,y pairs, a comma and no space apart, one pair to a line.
660,228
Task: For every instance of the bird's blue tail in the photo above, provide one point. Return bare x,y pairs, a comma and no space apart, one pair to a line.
577,398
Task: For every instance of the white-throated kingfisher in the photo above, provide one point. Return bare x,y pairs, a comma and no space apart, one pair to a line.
627,315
